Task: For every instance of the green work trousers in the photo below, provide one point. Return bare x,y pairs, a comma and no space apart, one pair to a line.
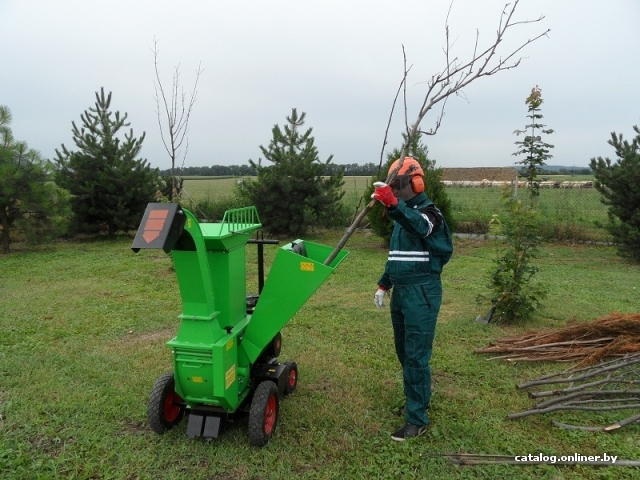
414,312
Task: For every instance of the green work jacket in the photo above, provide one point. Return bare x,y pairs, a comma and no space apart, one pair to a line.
420,243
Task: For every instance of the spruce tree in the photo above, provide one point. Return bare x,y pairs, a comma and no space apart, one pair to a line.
108,183
293,193
28,200
619,184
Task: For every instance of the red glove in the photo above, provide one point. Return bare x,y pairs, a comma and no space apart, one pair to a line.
384,195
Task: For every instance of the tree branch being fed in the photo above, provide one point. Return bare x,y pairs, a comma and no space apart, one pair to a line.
452,79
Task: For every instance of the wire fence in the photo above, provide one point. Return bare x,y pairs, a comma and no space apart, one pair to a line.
566,213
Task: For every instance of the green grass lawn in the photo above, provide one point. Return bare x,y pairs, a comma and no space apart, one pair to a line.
84,325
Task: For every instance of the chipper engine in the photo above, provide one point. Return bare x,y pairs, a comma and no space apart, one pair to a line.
226,348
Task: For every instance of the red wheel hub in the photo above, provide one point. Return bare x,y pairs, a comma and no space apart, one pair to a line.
293,378
171,408
270,414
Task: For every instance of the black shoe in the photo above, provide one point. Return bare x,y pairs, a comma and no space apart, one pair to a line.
409,431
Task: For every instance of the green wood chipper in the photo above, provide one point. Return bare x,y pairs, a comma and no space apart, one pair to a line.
226,348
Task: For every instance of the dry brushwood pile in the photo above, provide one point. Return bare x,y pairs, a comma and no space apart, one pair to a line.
607,387
587,342
599,386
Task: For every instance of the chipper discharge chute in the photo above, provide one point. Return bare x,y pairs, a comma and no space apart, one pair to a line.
225,352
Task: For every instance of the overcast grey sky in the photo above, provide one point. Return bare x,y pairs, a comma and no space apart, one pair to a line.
340,61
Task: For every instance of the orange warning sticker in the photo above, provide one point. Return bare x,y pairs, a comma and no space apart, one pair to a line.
154,224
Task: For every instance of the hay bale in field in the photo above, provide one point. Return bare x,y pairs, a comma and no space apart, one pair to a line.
500,183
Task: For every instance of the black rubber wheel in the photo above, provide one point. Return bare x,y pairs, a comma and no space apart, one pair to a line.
292,378
272,350
263,414
275,346
165,408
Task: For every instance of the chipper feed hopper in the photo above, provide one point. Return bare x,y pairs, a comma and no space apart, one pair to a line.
225,352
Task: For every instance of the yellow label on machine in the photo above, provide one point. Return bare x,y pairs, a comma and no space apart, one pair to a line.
306,266
230,377
196,379
229,344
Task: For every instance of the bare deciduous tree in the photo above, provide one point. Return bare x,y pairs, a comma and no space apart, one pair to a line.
451,80
176,108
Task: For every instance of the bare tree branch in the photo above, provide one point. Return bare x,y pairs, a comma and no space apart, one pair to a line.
576,427
571,407
606,387
455,76
622,423
393,106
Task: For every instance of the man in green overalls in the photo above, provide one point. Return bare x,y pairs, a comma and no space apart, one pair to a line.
420,246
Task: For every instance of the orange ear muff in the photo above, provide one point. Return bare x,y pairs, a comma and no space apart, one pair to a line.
417,184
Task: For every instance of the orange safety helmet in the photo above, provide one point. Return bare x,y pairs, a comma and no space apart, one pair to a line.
410,168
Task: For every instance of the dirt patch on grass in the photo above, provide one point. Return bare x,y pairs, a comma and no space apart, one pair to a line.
159,336
134,427
133,341
52,447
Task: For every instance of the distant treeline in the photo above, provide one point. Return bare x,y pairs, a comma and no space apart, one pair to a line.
349,170
213,171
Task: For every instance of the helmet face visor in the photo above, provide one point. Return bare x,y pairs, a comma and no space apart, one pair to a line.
400,182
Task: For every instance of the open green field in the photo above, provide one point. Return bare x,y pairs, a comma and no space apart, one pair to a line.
210,188
216,188
84,325
568,213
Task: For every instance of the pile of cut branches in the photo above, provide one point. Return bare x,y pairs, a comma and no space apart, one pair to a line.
607,387
615,335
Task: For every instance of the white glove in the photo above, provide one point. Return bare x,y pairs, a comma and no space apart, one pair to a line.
378,298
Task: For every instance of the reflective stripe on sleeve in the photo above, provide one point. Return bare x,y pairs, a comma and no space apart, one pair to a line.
400,256
426,217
